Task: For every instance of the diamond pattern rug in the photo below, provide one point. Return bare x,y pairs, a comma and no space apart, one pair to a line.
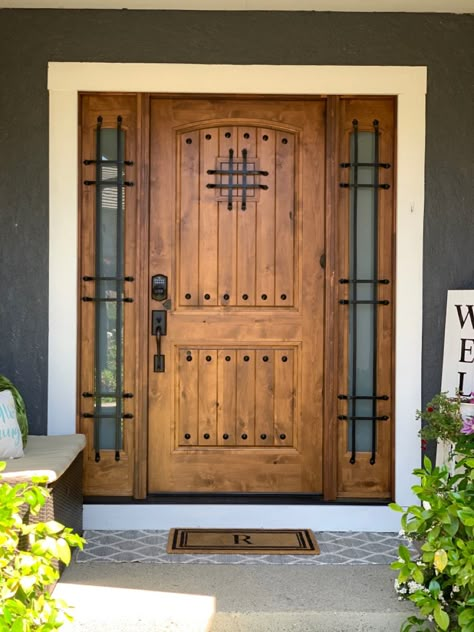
150,547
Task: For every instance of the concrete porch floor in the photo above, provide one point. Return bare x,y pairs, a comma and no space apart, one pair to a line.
119,597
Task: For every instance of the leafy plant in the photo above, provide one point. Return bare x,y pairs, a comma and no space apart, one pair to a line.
28,572
439,578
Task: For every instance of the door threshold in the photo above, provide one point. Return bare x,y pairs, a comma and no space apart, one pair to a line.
231,499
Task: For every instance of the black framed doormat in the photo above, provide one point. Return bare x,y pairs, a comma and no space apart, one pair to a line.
243,541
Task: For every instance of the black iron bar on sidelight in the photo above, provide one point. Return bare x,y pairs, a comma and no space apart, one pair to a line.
98,220
375,293
95,299
353,407
108,278
124,395
363,417
381,281
348,185
363,397
383,165
119,290
344,301
108,162
107,416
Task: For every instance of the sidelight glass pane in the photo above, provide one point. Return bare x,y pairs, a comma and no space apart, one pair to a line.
110,211
362,242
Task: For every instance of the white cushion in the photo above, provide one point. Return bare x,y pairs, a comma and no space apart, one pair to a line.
45,456
11,444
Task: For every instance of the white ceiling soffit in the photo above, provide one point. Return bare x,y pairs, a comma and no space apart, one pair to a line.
406,6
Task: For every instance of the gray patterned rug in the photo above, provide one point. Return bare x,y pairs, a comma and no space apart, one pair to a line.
150,546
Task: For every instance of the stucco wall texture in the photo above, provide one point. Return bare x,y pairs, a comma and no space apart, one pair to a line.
31,38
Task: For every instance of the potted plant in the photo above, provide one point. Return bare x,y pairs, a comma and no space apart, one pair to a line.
447,421
439,576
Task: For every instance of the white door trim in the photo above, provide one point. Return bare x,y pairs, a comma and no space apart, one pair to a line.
66,80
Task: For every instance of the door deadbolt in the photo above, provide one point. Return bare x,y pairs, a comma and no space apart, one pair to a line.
159,287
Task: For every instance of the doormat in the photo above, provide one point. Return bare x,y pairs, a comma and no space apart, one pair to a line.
149,546
244,542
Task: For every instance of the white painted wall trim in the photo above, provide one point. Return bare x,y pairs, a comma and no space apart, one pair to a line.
409,6
66,80
319,517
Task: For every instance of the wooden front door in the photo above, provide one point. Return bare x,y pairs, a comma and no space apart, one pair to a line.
237,217
272,221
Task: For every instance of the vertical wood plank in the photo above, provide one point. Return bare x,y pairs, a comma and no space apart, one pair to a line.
208,220
246,231
265,239
189,219
246,219
188,372
333,365
207,387
284,219
264,406
245,414
226,397
247,140
141,255
285,393
227,252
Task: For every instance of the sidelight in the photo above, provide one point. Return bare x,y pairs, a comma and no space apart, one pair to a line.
363,302
108,293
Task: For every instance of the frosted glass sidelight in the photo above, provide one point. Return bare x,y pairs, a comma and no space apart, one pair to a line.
362,244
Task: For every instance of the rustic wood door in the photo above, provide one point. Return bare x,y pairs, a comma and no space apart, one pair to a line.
237,226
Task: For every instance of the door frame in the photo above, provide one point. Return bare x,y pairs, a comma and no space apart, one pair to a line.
66,80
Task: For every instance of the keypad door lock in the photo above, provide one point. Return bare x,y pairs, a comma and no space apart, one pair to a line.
159,287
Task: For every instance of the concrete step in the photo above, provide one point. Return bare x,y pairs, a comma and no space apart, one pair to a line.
125,597
309,622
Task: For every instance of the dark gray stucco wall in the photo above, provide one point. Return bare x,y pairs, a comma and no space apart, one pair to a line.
31,38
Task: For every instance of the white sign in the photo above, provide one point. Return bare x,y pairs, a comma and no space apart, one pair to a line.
458,359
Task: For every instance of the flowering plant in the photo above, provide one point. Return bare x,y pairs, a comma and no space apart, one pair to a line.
443,419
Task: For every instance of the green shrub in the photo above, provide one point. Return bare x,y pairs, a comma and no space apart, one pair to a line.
439,579
28,553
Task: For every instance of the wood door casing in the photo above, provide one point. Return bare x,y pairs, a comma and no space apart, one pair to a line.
239,407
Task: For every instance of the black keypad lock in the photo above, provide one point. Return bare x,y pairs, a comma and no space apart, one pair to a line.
159,287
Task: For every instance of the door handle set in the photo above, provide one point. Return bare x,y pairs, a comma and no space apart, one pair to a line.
158,329
159,292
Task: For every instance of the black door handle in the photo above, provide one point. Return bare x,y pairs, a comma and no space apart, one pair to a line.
158,329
